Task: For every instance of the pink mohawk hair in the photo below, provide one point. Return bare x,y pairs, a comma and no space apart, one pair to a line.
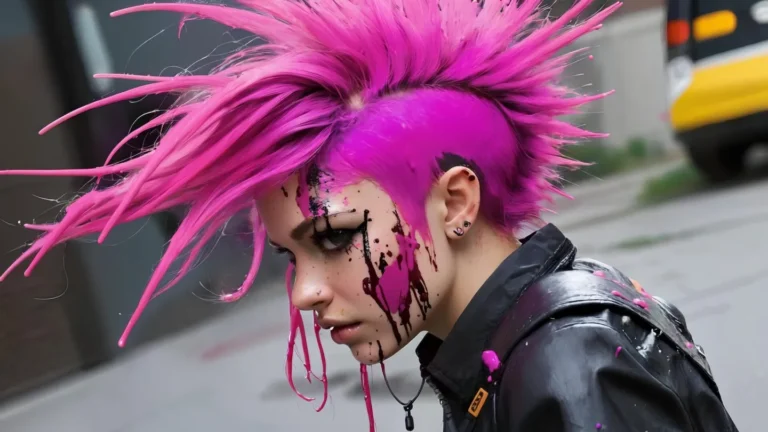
269,111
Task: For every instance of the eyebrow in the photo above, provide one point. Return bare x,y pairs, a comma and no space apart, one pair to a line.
302,228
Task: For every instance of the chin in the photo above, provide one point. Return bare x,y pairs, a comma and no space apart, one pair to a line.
368,353
366,359
365,352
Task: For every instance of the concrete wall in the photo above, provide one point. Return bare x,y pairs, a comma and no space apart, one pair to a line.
37,339
117,272
629,54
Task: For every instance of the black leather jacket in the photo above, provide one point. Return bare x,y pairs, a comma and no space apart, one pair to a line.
579,352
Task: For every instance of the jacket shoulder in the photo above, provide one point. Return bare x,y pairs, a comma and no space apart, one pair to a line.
593,286
578,372
568,367
612,273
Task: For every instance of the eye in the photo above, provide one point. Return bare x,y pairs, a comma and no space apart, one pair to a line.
333,240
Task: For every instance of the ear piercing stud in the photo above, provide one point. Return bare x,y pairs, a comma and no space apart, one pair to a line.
460,231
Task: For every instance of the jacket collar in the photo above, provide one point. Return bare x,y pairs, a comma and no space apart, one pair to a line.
456,363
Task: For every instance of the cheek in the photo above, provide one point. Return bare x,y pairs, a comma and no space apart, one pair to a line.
348,273
438,266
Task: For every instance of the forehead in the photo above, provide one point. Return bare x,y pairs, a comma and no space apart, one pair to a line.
280,205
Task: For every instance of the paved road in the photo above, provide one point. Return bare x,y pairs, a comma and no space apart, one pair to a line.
705,253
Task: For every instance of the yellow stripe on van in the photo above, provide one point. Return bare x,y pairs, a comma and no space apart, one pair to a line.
722,92
714,25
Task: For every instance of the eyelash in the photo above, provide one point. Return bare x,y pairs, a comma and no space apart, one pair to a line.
347,235
283,251
319,236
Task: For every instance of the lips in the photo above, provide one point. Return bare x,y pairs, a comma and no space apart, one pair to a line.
346,333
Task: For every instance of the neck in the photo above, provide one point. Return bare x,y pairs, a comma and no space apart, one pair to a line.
484,252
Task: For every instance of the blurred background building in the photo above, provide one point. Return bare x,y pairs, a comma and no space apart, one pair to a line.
50,50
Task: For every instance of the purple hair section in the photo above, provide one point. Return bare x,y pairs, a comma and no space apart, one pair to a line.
372,89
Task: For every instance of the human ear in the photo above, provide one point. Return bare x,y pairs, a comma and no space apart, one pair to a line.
460,191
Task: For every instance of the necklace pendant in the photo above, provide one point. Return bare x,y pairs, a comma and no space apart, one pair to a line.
408,418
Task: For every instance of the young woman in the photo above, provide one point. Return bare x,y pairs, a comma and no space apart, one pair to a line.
393,149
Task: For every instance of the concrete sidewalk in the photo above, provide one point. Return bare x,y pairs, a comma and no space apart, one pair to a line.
601,199
227,375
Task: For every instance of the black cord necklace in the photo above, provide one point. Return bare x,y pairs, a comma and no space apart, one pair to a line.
407,406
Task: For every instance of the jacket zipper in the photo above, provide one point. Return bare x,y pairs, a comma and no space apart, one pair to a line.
447,414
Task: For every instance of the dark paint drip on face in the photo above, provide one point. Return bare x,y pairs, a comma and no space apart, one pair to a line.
315,204
432,257
382,263
312,192
381,360
317,181
416,283
394,288
371,283
381,351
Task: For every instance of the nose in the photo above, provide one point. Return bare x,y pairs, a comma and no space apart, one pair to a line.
310,292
